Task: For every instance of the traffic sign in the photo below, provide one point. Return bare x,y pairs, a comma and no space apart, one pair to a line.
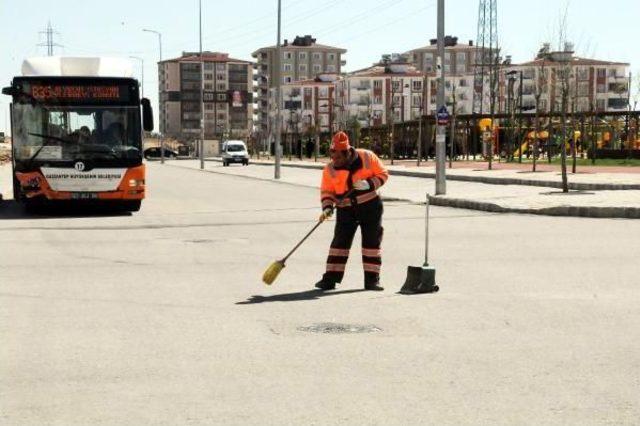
442,116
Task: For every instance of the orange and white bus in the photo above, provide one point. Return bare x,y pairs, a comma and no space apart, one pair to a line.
76,132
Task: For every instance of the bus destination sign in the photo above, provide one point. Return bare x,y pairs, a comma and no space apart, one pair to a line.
62,92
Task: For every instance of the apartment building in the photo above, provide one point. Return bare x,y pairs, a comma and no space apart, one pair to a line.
302,60
396,86
591,83
228,96
307,105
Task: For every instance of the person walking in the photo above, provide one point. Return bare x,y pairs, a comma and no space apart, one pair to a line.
350,184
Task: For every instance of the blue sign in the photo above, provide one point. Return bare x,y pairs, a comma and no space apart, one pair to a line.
442,116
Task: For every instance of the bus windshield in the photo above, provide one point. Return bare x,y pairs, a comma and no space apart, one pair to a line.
68,132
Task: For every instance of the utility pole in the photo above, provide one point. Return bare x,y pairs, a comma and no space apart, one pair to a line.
160,112
201,150
278,64
441,184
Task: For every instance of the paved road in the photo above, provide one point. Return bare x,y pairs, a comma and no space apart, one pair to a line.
160,317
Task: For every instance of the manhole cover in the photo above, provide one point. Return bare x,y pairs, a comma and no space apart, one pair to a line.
332,328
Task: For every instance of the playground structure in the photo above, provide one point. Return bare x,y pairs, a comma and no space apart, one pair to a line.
594,135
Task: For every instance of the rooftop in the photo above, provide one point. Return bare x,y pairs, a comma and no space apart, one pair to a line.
207,56
301,42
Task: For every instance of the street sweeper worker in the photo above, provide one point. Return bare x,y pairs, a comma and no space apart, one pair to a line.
350,184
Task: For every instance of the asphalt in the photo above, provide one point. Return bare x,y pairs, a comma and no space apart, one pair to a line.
160,317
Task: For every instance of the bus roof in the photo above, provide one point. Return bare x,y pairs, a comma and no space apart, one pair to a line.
56,66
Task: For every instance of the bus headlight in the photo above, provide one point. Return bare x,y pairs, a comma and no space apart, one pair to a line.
136,182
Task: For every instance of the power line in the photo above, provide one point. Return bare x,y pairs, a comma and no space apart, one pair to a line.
50,44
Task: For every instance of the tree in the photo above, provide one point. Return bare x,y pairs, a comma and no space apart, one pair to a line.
539,88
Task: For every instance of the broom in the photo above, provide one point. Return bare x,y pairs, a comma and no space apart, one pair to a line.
272,272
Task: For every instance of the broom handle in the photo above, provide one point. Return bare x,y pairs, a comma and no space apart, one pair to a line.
302,241
312,229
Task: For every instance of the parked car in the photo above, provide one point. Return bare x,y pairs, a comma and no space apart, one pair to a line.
234,152
155,153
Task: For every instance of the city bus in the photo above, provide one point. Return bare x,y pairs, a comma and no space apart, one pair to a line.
76,126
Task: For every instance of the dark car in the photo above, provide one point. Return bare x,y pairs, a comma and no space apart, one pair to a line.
155,153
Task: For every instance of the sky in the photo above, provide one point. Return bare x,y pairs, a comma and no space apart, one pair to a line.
366,28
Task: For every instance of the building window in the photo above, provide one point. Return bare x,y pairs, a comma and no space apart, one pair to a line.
331,68
602,72
377,100
208,76
323,92
220,67
332,56
286,80
463,82
286,67
461,58
600,104
222,86
447,58
583,73
208,86
377,84
583,88
601,88
396,85
208,106
316,56
302,68
208,66
447,68
220,77
302,56
317,68
287,55
416,85
222,97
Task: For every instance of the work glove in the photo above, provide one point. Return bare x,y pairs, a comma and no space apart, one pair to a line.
361,185
327,212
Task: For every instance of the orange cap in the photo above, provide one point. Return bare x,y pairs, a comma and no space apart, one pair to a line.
340,142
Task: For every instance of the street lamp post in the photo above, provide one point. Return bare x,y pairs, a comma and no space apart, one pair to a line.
201,88
278,64
159,112
441,186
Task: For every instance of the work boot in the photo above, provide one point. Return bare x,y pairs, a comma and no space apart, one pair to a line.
375,286
325,285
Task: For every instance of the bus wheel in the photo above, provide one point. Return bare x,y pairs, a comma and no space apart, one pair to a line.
132,205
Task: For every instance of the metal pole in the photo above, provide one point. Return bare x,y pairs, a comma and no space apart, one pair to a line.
201,89
278,64
159,112
441,185
426,234
520,119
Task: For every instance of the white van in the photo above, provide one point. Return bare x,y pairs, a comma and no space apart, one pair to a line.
234,152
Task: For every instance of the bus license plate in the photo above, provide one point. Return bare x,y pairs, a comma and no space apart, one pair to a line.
84,196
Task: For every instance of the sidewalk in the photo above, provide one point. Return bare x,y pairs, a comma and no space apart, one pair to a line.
460,194
504,174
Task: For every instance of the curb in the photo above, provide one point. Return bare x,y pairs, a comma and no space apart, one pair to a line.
482,179
462,203
571,211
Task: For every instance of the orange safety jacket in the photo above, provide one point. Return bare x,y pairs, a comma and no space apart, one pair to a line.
335,181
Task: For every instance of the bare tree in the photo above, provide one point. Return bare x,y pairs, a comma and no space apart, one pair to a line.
563,72
540,87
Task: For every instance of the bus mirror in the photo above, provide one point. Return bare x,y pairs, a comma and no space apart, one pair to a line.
8,91
147,115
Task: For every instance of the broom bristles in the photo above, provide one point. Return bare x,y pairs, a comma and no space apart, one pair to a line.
272,272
